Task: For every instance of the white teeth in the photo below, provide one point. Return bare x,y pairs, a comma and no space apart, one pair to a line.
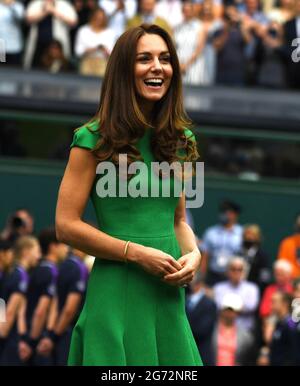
157,81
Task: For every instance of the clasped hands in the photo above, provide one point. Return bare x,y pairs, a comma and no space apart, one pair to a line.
188,265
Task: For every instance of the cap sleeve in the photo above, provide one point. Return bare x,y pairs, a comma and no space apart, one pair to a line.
86,136
189,134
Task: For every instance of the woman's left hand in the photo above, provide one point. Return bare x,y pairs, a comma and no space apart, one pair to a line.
190,265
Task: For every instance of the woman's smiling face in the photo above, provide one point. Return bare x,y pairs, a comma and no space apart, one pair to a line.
153,69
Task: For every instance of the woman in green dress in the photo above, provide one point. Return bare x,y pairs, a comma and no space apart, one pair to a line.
134,311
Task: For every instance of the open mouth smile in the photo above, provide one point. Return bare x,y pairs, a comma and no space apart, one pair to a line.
154,83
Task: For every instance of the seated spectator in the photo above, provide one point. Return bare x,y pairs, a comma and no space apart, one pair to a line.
53,59
289,249
172,8
190,39
11,18
93,44
212,25
221,242
283,277
48,20
258,261
231,44
202,313
146,14
236,284
118,12
283,349
232,344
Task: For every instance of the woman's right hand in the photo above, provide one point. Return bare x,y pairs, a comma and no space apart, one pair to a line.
152,260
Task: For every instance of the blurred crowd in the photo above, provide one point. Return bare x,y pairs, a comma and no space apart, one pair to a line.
230,42
243,306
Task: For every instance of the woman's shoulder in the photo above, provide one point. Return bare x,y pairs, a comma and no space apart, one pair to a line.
86,135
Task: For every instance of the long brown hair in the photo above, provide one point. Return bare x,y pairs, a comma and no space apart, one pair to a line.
121,122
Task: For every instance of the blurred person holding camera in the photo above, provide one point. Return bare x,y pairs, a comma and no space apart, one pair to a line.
11,19
236,284
20,223
14,288
232,344
41,290
93,44
48,20
231,43
65,308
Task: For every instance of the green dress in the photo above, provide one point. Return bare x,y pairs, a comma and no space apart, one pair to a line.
130,317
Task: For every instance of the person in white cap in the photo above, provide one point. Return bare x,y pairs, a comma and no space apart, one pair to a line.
232,345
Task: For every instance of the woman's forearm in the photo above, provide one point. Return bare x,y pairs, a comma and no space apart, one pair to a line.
94,242
185,237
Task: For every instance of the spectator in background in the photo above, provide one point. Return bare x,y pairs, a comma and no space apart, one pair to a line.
202,314
14,289
282,12
296,288
66,307
283,282
53,60
6,260
232,345
212,25
259,271
11,19
83,9
220,242
291,31
41,289
289,249
118,12
283,349
20,223
217,7
236,284
256,22
94,43
146,14
190,39
49,19
172,9
231,44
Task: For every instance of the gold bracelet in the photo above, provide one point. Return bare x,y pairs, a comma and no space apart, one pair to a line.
125,250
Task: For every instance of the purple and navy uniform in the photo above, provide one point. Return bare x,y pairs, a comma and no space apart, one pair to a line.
72,278
14,282
42,282
283,350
